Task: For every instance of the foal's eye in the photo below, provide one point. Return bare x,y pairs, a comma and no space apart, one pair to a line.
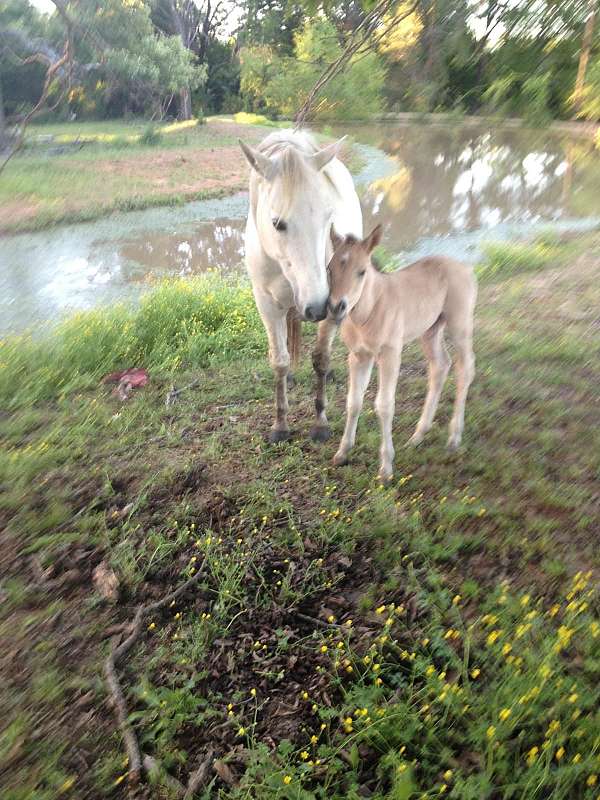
279,224
362,273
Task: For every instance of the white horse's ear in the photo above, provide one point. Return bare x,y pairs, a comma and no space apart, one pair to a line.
257,161
326,154
336,239
373,239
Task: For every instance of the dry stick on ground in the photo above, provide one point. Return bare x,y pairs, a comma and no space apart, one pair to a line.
114,685
361,41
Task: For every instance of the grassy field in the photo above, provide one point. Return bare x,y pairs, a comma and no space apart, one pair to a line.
119,166
89,169
439,636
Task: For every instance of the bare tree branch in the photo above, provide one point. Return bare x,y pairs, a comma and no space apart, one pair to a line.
363,40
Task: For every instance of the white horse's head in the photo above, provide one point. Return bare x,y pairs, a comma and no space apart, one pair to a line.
293,216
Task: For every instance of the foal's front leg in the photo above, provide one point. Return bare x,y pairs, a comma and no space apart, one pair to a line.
360,367
321,359
388,365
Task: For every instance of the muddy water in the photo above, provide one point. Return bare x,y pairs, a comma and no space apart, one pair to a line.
436,189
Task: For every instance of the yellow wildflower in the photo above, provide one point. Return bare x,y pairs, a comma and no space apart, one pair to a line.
492,637
380,610
241,731
577,758
505,714
304,755
447,776
475,673
491,732
592,780
532,756
287,779
559,753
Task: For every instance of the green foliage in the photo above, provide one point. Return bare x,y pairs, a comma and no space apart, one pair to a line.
151,136
280,85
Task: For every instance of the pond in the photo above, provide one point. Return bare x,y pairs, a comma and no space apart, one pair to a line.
436,188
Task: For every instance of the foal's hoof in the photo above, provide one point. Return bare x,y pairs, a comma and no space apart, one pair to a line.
319,433
340,459
453,443
385,476
415,440
279,436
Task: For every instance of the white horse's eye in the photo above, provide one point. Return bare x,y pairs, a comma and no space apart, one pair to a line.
279,224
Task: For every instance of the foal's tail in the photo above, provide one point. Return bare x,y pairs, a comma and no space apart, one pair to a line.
294,336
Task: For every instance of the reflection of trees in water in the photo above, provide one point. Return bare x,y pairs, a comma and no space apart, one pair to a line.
467,179
218,245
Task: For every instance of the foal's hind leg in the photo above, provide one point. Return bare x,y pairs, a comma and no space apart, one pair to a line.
465,372
438,364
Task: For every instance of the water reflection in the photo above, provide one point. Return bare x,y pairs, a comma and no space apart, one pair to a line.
439,189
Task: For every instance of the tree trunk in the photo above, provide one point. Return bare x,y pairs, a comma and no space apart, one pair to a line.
584,56
185,104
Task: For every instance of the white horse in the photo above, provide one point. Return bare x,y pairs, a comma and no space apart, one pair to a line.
297,192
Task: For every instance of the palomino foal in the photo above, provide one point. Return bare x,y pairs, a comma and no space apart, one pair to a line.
379,313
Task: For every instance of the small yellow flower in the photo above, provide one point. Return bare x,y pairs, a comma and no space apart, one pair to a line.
305,695
447,776
324,648
492,637
506,649
304,755
241,731
456,599
376,667
253,692
491,732
577,758
314,739
380,610
152,626
229,706
573,697
532,756
559,753
348,623
443,788
287,779
505,714
69,783
475,673
592,780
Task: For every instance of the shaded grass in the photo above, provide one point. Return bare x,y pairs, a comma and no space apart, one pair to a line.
458,648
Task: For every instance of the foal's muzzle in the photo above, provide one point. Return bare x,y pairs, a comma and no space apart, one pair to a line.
338,310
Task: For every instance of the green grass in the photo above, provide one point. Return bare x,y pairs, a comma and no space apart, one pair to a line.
457,645
121,166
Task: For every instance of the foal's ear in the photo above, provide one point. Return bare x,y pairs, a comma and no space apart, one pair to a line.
373,239
257,160
336,239
322,157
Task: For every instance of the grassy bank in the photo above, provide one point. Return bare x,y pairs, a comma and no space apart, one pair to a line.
75,172
436,637
90,169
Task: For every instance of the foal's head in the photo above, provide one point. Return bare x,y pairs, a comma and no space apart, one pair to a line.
347,271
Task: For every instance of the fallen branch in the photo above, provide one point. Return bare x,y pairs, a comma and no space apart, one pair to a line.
112,679
174,393
198,778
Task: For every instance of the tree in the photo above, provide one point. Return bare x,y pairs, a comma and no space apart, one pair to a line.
584,57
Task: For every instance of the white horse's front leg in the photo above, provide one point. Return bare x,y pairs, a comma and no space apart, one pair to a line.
360,367
274,320
389,366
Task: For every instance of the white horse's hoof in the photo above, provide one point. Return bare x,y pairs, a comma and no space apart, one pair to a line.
415,440
385,475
